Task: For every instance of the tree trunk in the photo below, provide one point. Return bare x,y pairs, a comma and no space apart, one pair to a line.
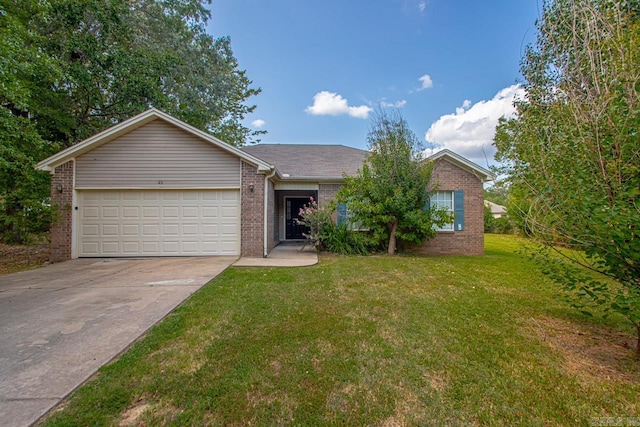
393,226
638,342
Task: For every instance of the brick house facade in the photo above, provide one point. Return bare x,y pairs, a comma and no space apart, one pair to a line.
62,201
155,186
448,176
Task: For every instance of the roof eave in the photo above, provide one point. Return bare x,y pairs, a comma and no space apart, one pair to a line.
457,159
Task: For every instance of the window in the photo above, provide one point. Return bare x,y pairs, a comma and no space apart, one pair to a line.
443,199
345,215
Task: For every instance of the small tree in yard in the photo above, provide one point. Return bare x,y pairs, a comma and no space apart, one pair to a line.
389,195
573,152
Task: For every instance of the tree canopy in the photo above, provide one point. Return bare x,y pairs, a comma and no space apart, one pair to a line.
389,195
71,68
573,152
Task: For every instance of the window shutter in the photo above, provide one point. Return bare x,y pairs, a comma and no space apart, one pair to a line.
458,209
342,213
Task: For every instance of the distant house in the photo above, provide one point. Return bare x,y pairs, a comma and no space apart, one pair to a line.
497,211
155,186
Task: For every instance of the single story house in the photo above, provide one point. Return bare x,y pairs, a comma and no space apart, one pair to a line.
155,186
497,211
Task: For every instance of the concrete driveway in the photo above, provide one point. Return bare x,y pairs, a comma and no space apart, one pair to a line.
60,323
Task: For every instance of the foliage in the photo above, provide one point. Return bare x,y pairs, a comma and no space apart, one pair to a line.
489,220
498,193
500,225
315,219
71,68
573,151
326,235
339,239
389,193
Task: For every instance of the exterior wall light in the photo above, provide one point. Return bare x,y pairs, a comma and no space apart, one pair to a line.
252,187
59,188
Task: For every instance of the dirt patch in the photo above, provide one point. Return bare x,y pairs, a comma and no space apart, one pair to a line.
14,258
131,416
591,352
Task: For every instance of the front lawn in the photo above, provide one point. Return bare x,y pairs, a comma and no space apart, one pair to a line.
372,341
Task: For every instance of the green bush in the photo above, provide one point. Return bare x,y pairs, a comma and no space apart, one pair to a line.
339,239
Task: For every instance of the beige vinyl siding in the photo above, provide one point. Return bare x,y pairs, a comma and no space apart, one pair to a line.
158,155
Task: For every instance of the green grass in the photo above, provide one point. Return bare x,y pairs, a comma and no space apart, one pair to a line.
371,341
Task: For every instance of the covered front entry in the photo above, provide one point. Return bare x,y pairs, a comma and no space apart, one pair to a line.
294,230
288,205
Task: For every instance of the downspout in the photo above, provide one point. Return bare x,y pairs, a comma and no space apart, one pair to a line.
266,211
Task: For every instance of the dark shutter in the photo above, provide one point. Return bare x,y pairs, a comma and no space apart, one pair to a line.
458,209
342,213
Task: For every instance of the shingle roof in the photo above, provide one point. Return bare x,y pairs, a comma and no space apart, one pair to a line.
310,161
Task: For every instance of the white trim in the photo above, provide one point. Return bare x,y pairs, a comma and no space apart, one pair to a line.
111,187
74,215
453,210
296,186
135,122
266,211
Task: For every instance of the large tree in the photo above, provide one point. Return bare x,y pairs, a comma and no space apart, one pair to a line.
573,151
71,68
389,195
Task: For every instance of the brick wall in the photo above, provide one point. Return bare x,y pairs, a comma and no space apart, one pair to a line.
62,202
252,212
326,192
470,241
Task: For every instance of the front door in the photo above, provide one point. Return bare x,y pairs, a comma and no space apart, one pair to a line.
293,229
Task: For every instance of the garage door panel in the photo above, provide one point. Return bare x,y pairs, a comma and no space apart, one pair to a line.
110,248
190,212
170,229
131,212
90,248
150,212
110,230
110,212
190,230
91,212
91,230
159,223
151,248
170,212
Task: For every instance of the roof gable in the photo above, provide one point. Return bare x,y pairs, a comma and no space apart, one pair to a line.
463,163
107,135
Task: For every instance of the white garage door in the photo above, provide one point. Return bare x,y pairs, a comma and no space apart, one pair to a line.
116,223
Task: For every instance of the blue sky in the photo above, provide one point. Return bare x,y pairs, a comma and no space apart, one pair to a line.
450,66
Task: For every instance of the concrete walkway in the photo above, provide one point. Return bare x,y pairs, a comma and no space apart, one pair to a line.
59,324
286,254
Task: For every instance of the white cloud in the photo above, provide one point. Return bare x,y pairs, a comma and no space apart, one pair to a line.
327,103
426,82
258,123
397,104
470,131
421,6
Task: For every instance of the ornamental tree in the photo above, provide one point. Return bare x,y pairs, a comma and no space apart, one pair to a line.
389,195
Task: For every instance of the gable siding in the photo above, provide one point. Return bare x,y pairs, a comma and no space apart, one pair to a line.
157,155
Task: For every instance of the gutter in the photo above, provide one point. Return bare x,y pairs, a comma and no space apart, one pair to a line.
266,210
